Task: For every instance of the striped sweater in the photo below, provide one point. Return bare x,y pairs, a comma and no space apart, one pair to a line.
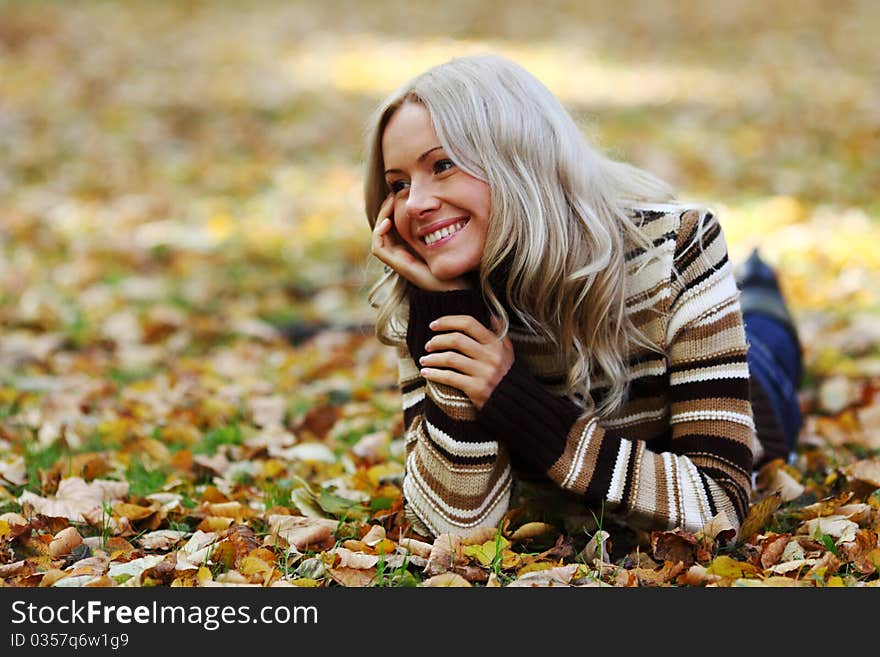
676,453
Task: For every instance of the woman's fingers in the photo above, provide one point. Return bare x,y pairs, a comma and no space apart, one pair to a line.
456,342
451,360
465,324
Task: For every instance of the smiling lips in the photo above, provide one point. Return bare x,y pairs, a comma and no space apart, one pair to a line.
445,231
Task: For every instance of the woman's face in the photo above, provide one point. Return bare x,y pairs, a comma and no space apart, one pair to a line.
441,212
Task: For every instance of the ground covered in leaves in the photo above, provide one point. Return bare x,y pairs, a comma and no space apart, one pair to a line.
180,209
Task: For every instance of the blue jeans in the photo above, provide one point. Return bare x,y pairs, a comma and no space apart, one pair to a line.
775,361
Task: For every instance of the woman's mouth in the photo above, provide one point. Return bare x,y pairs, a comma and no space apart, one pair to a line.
444,233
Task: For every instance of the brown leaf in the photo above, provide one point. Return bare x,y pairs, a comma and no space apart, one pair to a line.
319,420
446,552
562,550
860,552
675,545
301,531
132,511
824,507
772,549
162,573
759,515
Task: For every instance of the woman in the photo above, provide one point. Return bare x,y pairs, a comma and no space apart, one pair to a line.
559,316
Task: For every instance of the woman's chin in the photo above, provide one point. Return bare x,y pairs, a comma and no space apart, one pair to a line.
447,274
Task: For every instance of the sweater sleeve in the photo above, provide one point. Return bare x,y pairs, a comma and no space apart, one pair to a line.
457,476
707,466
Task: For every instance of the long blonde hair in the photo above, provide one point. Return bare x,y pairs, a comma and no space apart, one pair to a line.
560,220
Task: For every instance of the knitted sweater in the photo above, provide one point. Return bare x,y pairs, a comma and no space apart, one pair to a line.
676,453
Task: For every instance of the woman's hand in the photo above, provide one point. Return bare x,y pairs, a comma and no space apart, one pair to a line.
473,358
393,251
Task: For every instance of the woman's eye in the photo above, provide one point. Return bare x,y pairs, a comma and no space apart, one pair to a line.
443,165
397,186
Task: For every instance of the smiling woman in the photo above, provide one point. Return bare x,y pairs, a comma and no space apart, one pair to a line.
561,319
439,211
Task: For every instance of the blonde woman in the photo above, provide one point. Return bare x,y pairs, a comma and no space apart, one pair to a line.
559,316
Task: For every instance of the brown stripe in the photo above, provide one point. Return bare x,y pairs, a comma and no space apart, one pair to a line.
483,477
559,470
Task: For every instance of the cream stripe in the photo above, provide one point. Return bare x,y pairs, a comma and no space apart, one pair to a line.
577,462
460,448
618,478
672,488
692,305
710,415
460,400
696,509
413,397
718,372
446,510
635,417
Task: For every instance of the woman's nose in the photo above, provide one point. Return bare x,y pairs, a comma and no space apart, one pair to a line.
421,198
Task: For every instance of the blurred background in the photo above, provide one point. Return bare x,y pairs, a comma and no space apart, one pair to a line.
178,179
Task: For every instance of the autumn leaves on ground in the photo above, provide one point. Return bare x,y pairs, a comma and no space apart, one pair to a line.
179,206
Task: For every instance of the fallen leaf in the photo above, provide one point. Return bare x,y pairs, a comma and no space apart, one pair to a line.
359,560
301,531
675,545
446,552
532,530
64,542
75,497
446,579
376,534
866,471
730,568
416,547
162,539
839,527
352,577
558,576
772,549
759,515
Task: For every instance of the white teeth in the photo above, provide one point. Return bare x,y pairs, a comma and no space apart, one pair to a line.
444,232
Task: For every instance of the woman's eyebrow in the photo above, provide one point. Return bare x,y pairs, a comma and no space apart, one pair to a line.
419,159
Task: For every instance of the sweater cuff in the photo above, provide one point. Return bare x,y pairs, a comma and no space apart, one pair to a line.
425,307
533,422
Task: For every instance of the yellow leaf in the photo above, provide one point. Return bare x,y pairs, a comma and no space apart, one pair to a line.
204,575
486,552
273,468
531,530
132,511
532,567
759,515
253,566
835,582
305,582
382,471
385,546
727,567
